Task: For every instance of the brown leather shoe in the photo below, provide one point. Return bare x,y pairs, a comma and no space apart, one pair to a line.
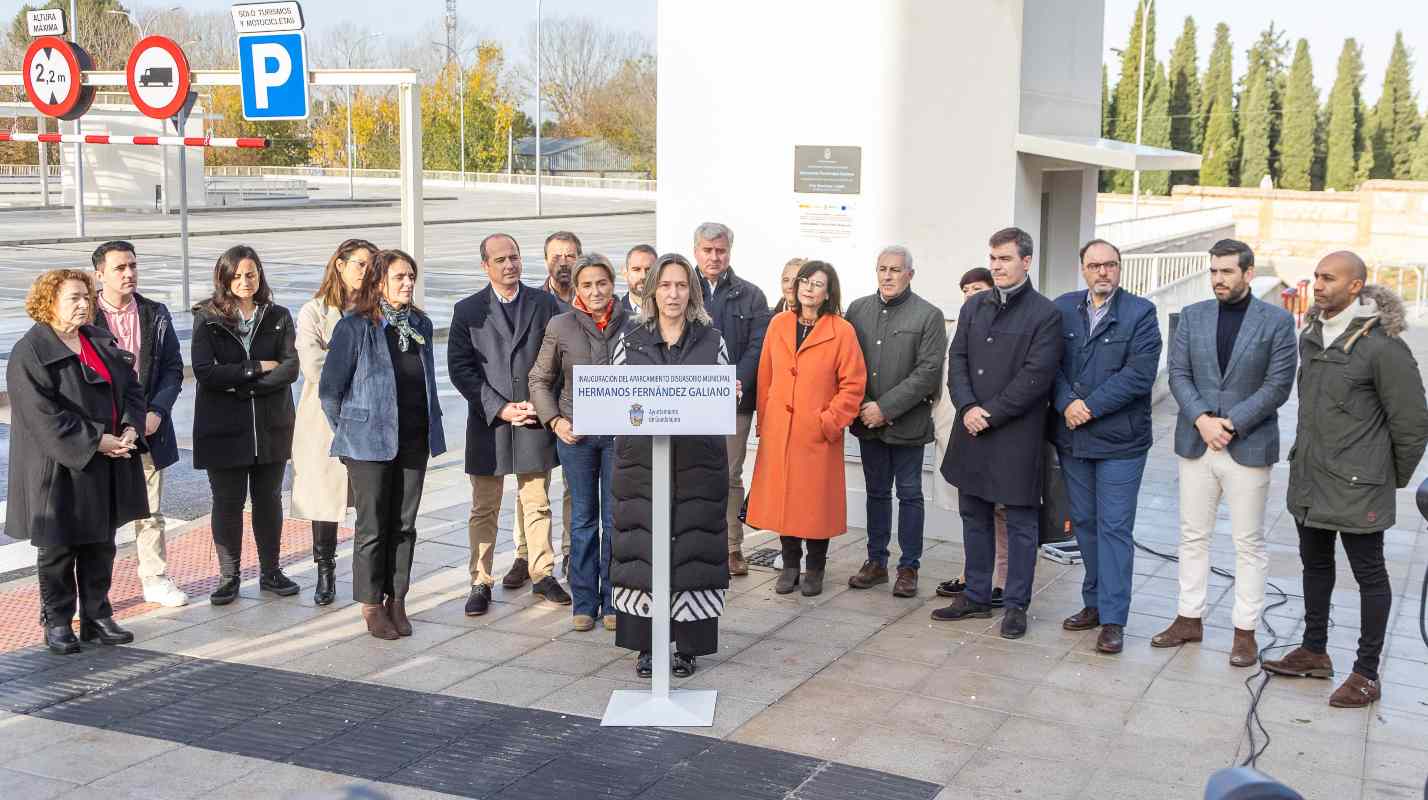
519,574
1245,651
1301,663
378,623
737,565
869,576
906,583
1083,620
1182,630
397,612
1111,640
1356,692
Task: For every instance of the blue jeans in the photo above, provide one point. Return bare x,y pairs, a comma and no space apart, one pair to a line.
589,467
1102,494
884,465
979,540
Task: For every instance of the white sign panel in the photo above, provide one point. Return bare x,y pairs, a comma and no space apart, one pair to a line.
267,17
46,22
655,401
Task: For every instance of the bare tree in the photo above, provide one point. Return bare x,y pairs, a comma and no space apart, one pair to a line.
579,57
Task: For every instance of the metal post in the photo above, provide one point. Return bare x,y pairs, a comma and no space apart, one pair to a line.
44,164
539,211
351,146
1140,104
164,174
510,150
182,124
78,148
461,98
411,179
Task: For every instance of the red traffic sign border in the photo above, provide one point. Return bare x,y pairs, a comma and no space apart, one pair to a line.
79,97
183,79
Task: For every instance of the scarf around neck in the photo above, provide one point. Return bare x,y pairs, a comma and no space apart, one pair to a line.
400,318
602,319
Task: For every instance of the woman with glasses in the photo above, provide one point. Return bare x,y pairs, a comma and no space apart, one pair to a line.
811,383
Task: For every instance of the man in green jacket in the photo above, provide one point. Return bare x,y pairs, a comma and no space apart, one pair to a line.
904,340
1363,425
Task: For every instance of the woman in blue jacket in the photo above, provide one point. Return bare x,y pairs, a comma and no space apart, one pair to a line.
378,391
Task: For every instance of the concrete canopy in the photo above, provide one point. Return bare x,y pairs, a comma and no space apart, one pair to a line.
1106,153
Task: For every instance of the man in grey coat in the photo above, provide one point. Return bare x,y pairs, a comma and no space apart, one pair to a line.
903,340
495,337
1363,425
1231,367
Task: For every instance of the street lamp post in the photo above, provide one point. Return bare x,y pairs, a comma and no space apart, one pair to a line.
461,99
351,145
537,112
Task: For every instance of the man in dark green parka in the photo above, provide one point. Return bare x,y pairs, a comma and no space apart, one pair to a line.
1363,425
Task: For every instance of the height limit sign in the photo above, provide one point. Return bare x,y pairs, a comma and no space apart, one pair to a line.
54,78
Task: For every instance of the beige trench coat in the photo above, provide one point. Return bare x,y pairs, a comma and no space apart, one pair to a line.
319,480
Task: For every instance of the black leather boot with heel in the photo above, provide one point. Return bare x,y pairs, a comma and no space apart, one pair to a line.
324,553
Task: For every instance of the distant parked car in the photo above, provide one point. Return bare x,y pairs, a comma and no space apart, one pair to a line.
163,76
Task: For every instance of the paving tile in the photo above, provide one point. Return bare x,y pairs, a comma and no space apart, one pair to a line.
453,612
955,721
91,755
280,780
1010,775
976,689
796,656
1111,784
1397,727
1099,676
909,754
794,730
427,672
488,645
846,632
1087,711
184,772
1185,724
1030,737
1378,790
730,714
588,696
912,643
879,671
1395,764
1292,748
1313,712
822,695
510,685
747,682
1027,663
33,787
566,657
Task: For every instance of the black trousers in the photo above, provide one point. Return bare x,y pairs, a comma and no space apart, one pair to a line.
324,540
694,638
67,572
793,551
264,484
387,497
1365,551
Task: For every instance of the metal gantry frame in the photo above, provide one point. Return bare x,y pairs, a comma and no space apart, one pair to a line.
409,108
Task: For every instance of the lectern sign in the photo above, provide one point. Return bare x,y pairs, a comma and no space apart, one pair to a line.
655,401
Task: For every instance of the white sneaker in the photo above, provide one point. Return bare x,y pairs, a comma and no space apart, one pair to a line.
163,591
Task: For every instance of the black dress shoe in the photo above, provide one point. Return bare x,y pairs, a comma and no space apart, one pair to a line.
1014,623
998,600
644,666
479,601
550,588
60,640
519,574
326,590
951,588
278,583
106,630
226,592
961,608
1083,620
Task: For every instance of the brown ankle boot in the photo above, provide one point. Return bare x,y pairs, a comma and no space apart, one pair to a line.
1356,692
397,612
1182,630
1302,663
378,623
1245,651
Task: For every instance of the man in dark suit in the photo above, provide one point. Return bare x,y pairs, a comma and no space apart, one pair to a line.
638,263
495,337
1112,353
1231,367
1001,369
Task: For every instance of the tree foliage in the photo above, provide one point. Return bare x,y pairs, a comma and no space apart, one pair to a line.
1300,133
1396,116
1129,88
1220,148
1346,123
1186,129
1265,69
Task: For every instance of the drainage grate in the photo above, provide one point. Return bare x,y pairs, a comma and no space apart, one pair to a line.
768,557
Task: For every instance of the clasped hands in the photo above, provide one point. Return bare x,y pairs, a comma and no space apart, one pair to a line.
1217,432
121,446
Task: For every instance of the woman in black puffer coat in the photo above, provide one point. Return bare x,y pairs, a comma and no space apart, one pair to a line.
672,329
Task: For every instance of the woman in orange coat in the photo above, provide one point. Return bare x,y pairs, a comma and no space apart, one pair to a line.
811,381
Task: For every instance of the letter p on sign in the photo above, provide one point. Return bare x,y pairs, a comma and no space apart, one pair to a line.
274,75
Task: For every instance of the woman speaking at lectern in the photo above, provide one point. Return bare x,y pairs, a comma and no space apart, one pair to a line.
672,329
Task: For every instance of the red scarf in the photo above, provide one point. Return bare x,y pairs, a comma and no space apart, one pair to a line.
600,321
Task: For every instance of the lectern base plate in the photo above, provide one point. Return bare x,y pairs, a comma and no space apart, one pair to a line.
684,708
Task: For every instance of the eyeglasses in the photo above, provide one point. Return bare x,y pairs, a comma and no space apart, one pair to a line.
812,284
1102,266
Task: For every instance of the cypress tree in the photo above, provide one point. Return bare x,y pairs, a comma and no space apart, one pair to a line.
1301,120
1157,129
1127,88
1255,113
1370,146
1186,129
1220,147
1266,67
1397,116
1419,169
1346,122
1108,122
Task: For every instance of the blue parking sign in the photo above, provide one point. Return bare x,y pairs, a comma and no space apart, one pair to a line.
274,69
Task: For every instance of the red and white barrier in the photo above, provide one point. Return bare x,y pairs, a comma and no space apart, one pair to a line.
247,142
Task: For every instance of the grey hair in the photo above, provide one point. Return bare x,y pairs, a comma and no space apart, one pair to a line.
592,260
694,312
709,231
898,250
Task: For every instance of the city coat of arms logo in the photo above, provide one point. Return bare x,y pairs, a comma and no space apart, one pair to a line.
637,415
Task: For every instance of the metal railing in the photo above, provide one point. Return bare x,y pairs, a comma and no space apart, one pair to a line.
515,179
1146,273
26,171
1408,280
1130,233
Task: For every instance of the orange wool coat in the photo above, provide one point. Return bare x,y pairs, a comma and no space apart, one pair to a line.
806,400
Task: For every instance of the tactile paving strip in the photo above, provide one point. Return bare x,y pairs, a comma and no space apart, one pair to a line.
192,564
433,742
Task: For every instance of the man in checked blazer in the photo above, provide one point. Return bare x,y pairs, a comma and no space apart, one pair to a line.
1231,367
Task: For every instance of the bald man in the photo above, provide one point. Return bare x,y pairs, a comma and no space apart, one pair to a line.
1363,425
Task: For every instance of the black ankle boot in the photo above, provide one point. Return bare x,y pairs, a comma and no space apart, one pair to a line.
60,639
326,589
106,630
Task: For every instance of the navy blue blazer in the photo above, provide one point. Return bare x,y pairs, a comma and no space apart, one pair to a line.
160,371
1112,372
358,390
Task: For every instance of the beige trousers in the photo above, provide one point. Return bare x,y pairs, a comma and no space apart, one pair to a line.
738,447
149,531
519,531
1203,481
532,510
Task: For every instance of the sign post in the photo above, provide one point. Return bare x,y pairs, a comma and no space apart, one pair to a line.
659,402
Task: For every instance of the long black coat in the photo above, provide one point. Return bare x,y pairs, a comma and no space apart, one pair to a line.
488,364
1003,358
62,491
699,552
241,416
